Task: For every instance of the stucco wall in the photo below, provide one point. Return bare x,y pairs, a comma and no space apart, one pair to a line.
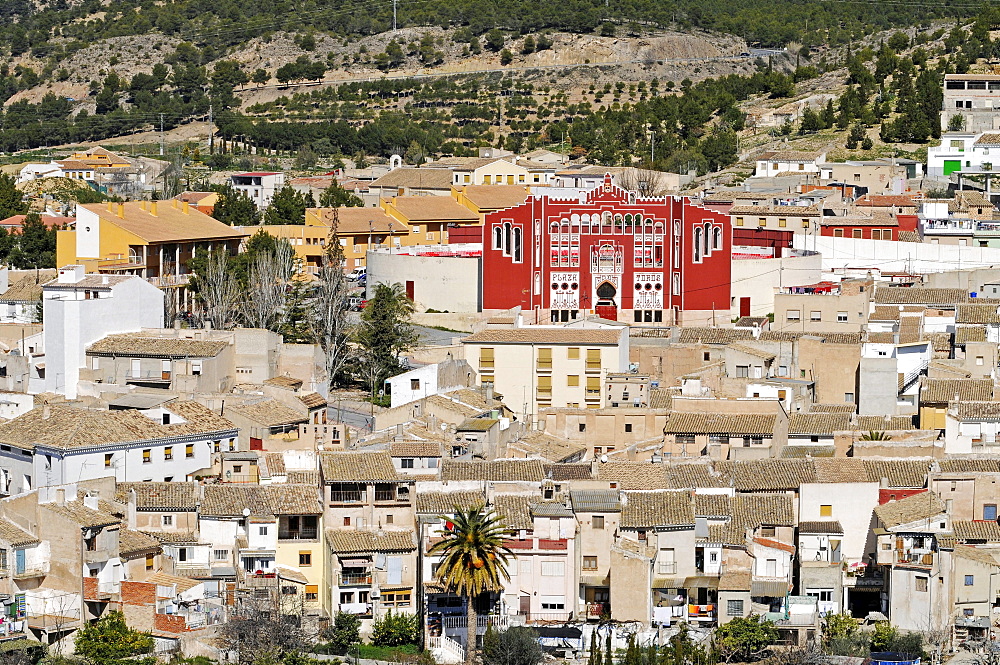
757,278
444,283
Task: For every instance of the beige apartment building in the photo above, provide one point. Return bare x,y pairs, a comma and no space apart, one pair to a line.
841,308
536,368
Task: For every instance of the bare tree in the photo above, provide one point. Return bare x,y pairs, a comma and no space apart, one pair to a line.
329,323
264,628
219,290
644,182
266,294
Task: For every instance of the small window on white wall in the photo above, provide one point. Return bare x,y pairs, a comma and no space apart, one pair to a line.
553,568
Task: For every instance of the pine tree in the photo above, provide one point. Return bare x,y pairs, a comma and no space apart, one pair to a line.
607,650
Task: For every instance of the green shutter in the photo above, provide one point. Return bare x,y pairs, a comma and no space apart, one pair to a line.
952,165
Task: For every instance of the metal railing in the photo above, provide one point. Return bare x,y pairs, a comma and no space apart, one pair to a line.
356,580
301,534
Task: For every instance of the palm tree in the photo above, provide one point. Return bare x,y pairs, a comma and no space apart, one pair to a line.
875,436
473,559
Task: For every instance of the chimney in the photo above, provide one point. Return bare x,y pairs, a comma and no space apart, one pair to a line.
61,496
489,394
131,509
187,208
177,327
46,412
152,208
91,502
121,211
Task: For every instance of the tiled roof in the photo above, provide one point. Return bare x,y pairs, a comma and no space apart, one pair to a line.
941,391
503,470
286,382
903,295
975,410
830,527
799,211
910,509
444,503
768,589
752,511
977,554
227,500
796,449
884,423
173,536
563,472
898,472
679,422
696,475
312,400
86,518
886,200
966,334
595,501
769,475
354,540
172,496
775,544
275,464
713,335
152,346
959,465
633,475
735,580
818,423
168,225
554,336
977,314
514,510
26,288
832,408
643,509
495,197
547,447
712,505
477,424
415,449
977,530
751,351
433,209
289,499
357,467
269,413
303,477
15,536
417,178
881,337
884,313
840,470
135,542
67,427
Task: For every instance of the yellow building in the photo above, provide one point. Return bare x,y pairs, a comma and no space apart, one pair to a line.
432,220
484,199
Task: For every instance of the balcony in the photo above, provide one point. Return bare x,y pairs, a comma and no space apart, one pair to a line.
596,611
922,559
363,579
169,280
541,617
97,556
701,612
301,534
547,544
39,569
348,496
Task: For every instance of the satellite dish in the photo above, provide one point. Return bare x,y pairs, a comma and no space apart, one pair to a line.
246,512
604,458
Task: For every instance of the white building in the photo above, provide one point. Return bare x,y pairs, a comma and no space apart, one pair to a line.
429,380
260,186
775,162
80,309
964,152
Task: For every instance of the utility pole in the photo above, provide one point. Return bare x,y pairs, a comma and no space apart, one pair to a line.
161,134
211,132
394,15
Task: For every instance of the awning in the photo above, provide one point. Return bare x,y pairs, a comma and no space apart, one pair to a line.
701,582
355,563
768,589
668,583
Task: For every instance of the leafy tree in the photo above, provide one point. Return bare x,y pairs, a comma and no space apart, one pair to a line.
745,639
109,641
810,121
306,158
898,42
474,560
11,202
506,57
517,645
235,208
956,123
36,245
343,632
288,207
856,135
494,40
336,196
528,45
384,333
866,143
393,630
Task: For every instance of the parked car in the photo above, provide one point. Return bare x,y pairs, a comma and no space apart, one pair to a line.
356,274
355,303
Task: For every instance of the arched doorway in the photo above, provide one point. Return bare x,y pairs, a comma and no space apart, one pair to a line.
606,307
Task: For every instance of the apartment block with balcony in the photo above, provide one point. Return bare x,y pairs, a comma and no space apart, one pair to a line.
364,490
823,307
598,515
188,361
907,533
548,366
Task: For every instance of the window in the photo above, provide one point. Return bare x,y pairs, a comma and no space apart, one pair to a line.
841,317
628,427
590,563
216,445
107,459
486,358
838,233
582,427
979,360
553,603
849,397
168,520
826,511
782,222
545,386
970,580
920,583
742,371
306,558
792,315
706,356
856,233
312,592
150,560
347,521
593,360
168,453
407,462
767,531
739,221
553,568
544,362
147,456
220,555
262,531
990,512
388,519
414,384
597,521
189,450
397,599
734,608
573,353
815,316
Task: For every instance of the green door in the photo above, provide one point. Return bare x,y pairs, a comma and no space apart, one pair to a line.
952,165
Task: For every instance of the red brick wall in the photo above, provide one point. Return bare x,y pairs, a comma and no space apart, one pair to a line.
886,495
168,623
138,593
90,588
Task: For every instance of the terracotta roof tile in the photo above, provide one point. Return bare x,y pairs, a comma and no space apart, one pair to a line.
645,509
898,472
919,295
15,536
942,391
444,503
831,527
168,225
357,467
504,470
136,542
975,410
514,510
286,382
884,423
910,509
977,314
988,531
269,413
965,334
752,511
769,475
495,197
354,540
85,517
818,423
633,475
554,336
696,475
563,472
432,209
415,449
153,346
679,422
159,496
713,335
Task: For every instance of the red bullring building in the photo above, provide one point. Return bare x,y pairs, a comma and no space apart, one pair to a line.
655,260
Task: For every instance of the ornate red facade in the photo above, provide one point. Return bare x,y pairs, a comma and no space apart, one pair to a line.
626,258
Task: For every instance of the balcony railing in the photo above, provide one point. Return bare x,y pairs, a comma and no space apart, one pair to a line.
32,570
356,580
338,496
597,610
914,558
701,611
666,568
301,534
